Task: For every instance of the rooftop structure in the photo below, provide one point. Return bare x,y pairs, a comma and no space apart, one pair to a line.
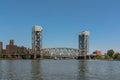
87,33
37,28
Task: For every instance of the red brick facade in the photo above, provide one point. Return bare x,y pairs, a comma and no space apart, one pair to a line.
97,52
14,49
1,47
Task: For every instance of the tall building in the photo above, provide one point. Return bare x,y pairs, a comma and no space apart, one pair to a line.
10,47
1,47
84,42
36,39
14,49
11,42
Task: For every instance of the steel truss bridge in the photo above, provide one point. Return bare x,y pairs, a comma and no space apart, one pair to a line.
62,52
66,53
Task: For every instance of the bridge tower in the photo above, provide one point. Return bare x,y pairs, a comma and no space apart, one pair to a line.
36,40
84,43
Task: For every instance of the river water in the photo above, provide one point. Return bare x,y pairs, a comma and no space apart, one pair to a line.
59,70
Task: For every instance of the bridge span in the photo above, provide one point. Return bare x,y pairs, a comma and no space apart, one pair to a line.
65,53
62,52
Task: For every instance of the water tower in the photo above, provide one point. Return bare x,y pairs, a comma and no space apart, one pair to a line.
84,43
36,40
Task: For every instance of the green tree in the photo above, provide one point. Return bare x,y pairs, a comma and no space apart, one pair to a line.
107,57
116,56
98,57
28,56
1,56
110,53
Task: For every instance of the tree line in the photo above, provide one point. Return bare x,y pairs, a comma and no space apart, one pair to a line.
110,55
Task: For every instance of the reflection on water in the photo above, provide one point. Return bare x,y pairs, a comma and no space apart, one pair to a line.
36,70
83,70
59,70
99,70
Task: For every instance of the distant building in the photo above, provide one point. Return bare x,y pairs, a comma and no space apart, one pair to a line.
10,47
11,42
14,49
97,52
1,47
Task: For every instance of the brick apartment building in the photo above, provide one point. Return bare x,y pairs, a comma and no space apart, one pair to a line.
97,52
1,47
13,49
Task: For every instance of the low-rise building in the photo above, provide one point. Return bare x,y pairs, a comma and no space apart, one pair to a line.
97,52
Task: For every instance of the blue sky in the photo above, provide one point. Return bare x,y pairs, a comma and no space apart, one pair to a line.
62,20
